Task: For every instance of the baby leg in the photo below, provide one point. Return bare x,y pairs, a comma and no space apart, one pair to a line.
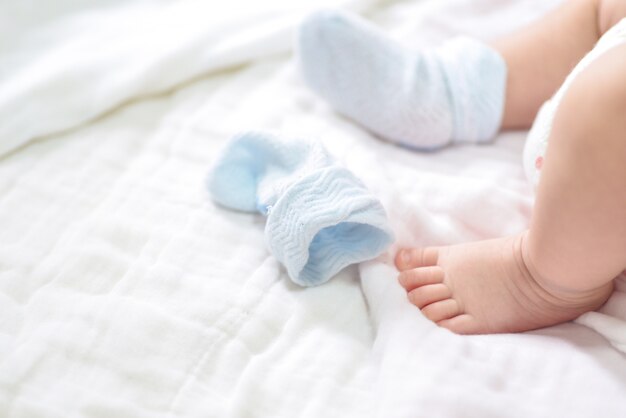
463,91
421,99
577,237
541,55
576,245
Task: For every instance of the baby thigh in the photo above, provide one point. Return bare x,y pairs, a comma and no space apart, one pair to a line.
578,230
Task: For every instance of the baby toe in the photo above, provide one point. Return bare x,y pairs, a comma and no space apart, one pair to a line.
441,310
411,258
461,324
428,294
423,276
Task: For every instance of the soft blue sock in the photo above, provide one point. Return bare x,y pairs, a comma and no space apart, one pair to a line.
422,99
321,218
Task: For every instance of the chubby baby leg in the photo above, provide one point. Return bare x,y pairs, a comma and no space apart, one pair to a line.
577,237
565,263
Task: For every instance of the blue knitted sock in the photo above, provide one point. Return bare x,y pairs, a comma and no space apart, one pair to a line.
321,218
422,99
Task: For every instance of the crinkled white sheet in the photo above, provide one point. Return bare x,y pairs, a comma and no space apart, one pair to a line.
125,292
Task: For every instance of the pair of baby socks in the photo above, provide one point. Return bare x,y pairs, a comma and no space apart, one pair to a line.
320,217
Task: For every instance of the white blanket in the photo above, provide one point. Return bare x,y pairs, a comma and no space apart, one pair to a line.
125,292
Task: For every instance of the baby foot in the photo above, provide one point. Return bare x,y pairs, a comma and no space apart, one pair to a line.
422,99
486,287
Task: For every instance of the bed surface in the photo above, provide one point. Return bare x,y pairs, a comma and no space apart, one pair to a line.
125,292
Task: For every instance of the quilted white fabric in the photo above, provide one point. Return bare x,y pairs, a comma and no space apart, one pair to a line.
125,292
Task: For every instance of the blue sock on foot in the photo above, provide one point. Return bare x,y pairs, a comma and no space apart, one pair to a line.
422,99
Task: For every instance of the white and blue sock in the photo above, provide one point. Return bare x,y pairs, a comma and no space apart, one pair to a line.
421,99
321,218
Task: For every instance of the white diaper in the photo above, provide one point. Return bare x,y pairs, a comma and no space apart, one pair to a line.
537,141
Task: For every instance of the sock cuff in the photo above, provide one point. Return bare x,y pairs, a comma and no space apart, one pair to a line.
324,222
476,79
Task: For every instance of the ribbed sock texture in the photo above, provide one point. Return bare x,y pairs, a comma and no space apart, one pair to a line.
421,99
321,218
